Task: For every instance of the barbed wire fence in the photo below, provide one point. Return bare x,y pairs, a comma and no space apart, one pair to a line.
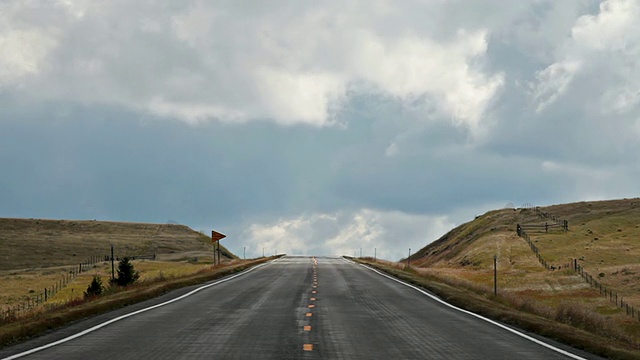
16,311
561,224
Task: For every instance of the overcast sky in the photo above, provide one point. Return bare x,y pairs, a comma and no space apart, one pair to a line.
315,127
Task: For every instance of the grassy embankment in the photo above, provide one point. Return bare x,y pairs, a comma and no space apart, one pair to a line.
558,304
37,243
38,253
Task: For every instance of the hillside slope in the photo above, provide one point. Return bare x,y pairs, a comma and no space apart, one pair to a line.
597,230
31,243
603,237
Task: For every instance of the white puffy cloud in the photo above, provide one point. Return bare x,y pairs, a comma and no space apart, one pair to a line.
602,53
388,233
235,62
413,65
299,97
22,54
25,43
611,29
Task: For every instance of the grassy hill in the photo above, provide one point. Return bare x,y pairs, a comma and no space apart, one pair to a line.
603,237
37,243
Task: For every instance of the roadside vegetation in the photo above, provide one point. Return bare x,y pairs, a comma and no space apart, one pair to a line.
95,288
127,275
560,304
571,322
90,303
38,254
63,264
38,243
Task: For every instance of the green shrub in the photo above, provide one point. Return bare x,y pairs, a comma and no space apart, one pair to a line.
126,273
95,288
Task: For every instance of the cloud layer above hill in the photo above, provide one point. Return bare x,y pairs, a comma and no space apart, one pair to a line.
315,127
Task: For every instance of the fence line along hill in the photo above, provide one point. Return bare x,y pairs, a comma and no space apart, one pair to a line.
596,230
584,252
36,243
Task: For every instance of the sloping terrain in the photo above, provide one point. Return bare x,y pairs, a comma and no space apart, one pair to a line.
603,237
37,243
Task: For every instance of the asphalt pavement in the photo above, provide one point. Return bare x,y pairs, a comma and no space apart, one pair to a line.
293,308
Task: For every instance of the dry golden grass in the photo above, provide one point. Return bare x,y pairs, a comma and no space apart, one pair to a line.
37,243
36,254
21,285
602,236
149,271
565,319
18,286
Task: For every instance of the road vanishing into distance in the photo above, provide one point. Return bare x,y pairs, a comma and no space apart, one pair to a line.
292,308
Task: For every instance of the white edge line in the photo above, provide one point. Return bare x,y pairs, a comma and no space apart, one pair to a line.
539,342
99,326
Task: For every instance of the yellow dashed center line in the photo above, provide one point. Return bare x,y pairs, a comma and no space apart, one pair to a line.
309,347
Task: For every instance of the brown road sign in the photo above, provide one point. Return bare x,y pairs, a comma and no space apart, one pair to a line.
216,236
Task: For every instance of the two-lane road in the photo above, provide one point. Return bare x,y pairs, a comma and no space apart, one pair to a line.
296,307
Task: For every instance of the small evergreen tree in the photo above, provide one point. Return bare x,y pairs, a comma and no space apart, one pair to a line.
126,274
95,288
